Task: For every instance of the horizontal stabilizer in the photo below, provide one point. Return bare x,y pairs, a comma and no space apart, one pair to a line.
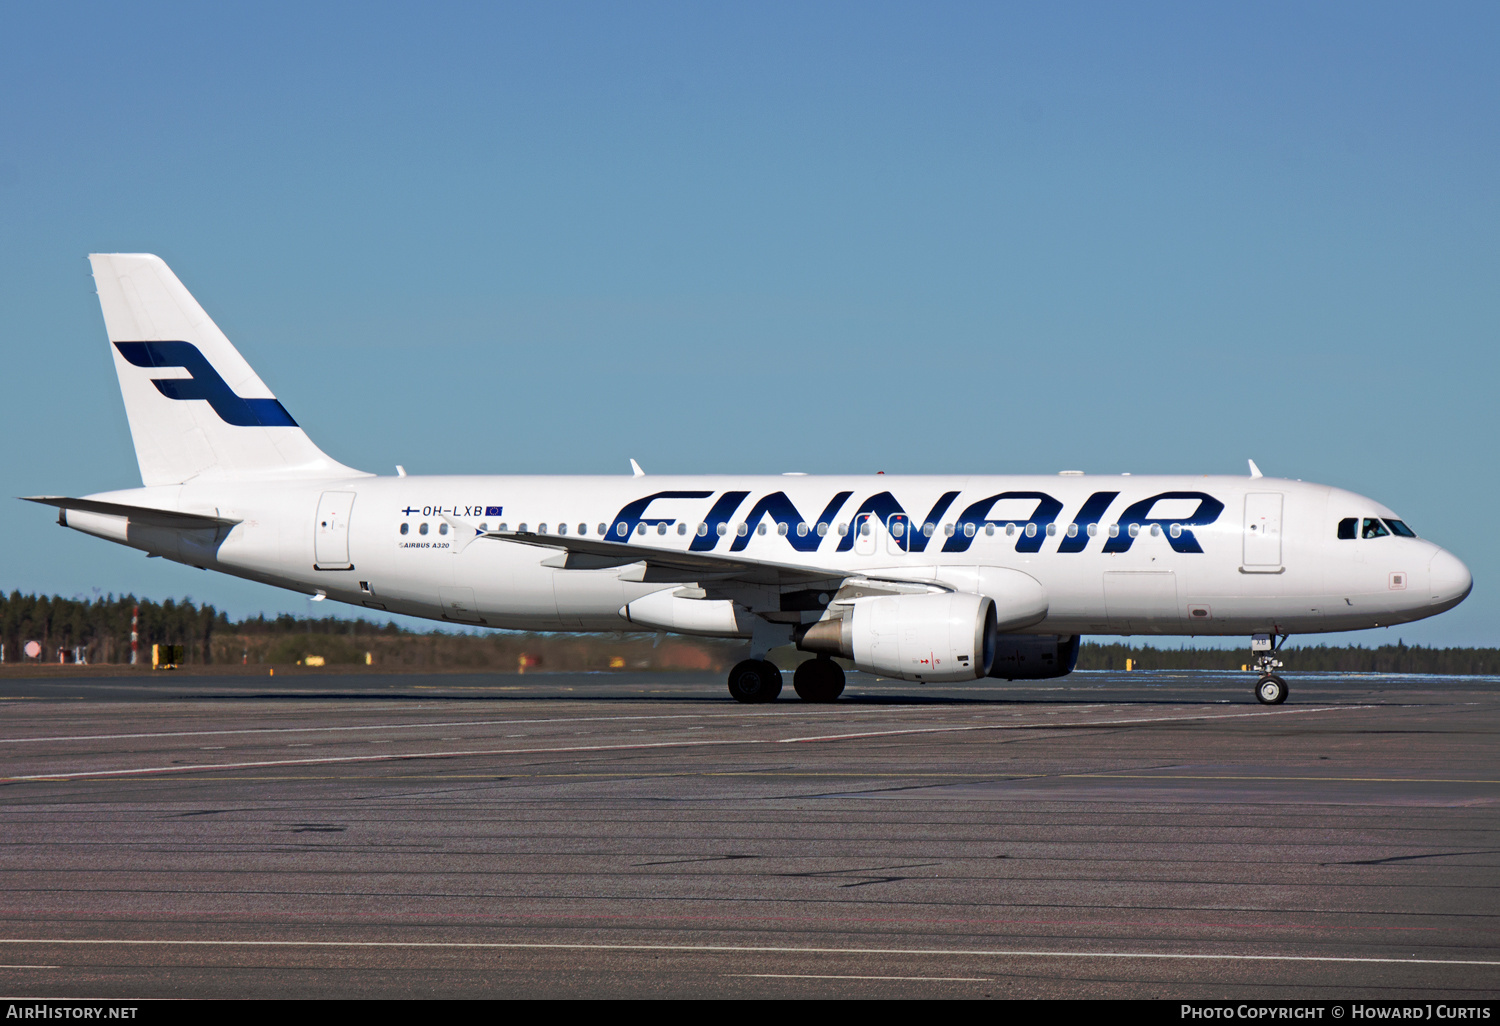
136,514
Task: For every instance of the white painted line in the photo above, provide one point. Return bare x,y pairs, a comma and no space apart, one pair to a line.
391,726
747,949
641,746
811,976
342,759
30,967
1079,723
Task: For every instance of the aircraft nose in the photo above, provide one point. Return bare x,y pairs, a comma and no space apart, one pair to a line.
1451,580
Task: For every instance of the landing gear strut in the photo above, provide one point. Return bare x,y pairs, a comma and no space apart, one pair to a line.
755,680
819,680
1270,689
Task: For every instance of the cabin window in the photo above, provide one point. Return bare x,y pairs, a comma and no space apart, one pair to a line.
1135,530
422,529
864,530
620,529
1072,530
562,528
802,530
948,530
968,530
1031,530
898,529
1010,529
781,529
1400,529
989,530
1156,530
702,530
843,530
822,530
1051,530
603,530
661,528
1175,530
1093,530
442,528
927,530
405,528
742,530
760,529
541,528
501,528
682,528
1374,529
723,530
583,528
1114,530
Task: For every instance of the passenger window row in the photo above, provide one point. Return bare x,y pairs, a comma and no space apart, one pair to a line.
802,530
1373,527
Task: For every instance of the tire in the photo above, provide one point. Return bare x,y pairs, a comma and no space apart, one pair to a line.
754,680
1270,690
773,673
819,680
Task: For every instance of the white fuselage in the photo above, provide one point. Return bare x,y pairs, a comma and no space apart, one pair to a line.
1114,555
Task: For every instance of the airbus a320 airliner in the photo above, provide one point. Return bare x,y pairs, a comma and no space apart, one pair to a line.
919,578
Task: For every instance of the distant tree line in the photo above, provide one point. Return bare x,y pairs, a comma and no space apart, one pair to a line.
1397,658
99,631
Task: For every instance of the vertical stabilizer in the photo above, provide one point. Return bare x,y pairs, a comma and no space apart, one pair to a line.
196,408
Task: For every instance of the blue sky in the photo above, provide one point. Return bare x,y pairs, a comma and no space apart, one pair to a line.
927,237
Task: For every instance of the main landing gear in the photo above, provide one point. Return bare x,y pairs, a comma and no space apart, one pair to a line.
755,680
758,680
819,680
1270,689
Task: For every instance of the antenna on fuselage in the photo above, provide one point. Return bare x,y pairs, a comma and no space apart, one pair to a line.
1254,470
636,470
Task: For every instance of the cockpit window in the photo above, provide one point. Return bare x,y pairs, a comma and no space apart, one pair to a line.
1349,528
1400,529
1374,529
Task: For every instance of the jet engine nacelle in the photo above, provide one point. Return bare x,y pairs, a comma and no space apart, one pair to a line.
1035,656
947,636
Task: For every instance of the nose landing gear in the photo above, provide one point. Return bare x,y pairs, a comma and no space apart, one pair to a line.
1269,689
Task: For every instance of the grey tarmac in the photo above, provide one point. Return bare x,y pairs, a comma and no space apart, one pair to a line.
1141,835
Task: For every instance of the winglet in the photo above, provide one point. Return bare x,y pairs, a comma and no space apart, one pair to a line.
1254,470
636,469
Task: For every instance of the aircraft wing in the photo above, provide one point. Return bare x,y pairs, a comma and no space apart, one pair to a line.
139,514
668,565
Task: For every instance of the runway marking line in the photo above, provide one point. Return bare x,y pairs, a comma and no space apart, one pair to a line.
811,976
1005,777
743,949
1318,780
400,726
1087,723
649,745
